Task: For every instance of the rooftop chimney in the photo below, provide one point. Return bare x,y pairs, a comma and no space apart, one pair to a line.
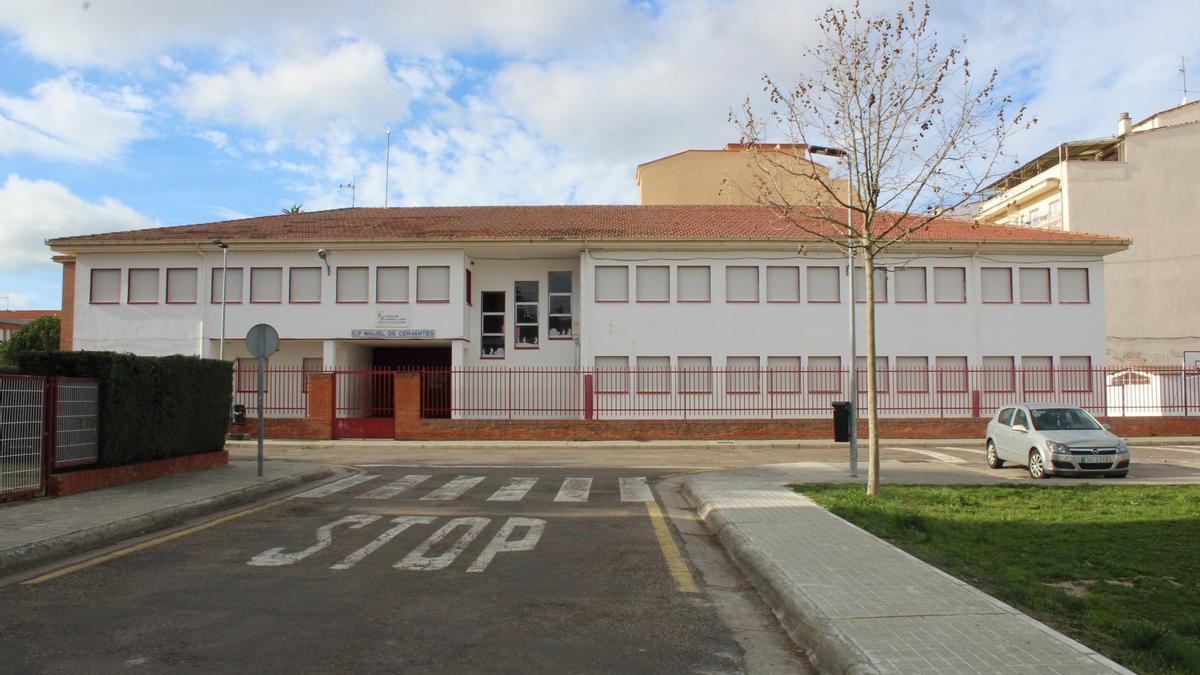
1124,125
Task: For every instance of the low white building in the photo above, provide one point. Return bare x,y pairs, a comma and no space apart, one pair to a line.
648,288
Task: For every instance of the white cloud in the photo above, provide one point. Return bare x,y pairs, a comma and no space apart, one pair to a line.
36,210
350,89
65,118
116,33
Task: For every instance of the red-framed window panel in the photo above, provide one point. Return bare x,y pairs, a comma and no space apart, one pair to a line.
1037,374
304,285
236,280
108,282
998,374
824,374
951,374
693,284
1076,373
695,374
911,285
783,283
526,315
612,374
560,312
742,375
1074,286
881,285
653,283
912,374
950,285
654,375
784,375
491,329
1035,286
470,283
143,284
391,285
183,286
433,284
353,285
882,376
742,284
996,285
266,285
823,284
611,283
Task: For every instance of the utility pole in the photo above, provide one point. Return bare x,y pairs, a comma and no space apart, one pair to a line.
349,185
224,289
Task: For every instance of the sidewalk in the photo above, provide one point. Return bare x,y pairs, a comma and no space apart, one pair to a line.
861,605
41,531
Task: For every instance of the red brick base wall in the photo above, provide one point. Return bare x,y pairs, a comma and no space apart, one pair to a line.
62,484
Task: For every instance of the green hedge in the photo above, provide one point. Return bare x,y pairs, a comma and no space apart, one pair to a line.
150,407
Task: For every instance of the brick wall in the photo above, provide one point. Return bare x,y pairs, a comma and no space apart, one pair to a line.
316,426
66,336
62,484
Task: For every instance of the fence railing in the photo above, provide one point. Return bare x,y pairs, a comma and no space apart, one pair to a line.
767,393
45,422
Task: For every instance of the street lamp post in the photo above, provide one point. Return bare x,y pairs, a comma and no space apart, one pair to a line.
853,365
224,289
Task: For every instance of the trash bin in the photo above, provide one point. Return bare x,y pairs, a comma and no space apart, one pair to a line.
239,414
841,421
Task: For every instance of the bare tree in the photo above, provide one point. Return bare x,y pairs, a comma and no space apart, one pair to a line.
919,132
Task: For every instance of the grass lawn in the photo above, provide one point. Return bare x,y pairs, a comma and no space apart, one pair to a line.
1115,567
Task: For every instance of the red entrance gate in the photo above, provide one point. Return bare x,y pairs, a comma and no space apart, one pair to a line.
364,404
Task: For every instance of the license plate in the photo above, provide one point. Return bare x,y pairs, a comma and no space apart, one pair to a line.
1095,459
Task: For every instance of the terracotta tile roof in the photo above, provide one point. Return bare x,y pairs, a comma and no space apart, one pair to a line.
547,223
23,315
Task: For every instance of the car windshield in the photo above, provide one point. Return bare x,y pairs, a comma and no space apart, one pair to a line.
1062,419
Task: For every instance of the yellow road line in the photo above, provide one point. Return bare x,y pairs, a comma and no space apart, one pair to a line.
147,544
684,582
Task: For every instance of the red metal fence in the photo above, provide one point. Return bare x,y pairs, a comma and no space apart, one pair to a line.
571,393
45,423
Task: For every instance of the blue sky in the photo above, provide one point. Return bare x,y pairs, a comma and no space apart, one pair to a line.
119,114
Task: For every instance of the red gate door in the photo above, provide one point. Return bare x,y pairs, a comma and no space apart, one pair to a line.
365,407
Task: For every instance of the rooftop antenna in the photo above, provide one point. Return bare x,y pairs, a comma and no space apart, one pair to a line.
1183,76
387,165
351,186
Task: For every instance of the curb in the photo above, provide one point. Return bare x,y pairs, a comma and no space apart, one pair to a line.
47,550
807,626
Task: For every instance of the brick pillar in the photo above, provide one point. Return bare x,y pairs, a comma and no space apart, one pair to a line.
406,397
322,402
66,335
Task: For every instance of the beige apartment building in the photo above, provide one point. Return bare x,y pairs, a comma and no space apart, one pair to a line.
1143,184
734,175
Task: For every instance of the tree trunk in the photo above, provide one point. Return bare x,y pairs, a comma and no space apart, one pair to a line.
872,396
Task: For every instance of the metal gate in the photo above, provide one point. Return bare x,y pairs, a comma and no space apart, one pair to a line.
23,435
364,404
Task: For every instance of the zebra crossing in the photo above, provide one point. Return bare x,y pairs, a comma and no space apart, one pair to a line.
571,489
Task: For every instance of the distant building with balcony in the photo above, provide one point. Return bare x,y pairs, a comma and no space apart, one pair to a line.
1142,184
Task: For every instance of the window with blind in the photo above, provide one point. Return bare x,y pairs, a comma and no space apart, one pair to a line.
996,284
860,284
491,338
910,284
1035,285
560,316
143,286
741,375
823,284
882,379
352,285
1037,373
999,373
783,284
952,373
433,284
266,284
825,374
695,374
1076,373
950,284
612,283
741,284
304,285
105,287
783,374
612,374
391,284
653,283
654,374
1073,285
694,283
525,296
912,374
182,285
235,285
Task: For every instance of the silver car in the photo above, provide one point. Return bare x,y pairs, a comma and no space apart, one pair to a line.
1057,440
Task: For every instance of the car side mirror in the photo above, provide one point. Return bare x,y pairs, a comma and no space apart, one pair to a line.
1021,428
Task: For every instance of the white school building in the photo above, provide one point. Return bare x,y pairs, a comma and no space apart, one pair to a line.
643,288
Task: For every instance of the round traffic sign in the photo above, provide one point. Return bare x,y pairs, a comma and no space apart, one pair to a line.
262,340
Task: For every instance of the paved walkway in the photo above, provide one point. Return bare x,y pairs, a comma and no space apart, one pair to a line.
861,605
42,530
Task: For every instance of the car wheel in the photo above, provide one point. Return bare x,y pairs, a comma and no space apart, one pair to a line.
993,460
1116,475
1037,465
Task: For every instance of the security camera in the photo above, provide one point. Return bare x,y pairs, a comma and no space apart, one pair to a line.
321,253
